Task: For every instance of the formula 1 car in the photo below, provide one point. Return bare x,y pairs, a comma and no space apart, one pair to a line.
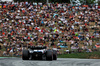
39,53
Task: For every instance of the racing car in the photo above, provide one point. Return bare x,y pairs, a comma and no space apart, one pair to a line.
39,53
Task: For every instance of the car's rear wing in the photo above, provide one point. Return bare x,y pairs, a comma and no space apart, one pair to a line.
37,47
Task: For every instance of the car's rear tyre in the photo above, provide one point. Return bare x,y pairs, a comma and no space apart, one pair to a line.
54,55
49,55
25,55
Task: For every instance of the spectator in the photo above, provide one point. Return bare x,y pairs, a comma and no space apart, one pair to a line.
0,47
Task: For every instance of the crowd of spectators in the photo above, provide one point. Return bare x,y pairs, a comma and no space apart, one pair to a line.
53,25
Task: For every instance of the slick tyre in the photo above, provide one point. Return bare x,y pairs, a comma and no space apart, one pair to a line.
25,55
49,55
54,55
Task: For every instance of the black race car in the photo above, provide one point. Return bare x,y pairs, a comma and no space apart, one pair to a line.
39,53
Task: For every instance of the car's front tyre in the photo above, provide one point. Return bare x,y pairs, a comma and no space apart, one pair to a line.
54,55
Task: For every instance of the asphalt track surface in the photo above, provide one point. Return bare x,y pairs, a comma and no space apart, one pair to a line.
58,62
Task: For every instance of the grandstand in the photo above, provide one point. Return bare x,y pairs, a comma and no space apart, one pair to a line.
62,26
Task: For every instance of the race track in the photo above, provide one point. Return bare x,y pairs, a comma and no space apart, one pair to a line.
59,62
